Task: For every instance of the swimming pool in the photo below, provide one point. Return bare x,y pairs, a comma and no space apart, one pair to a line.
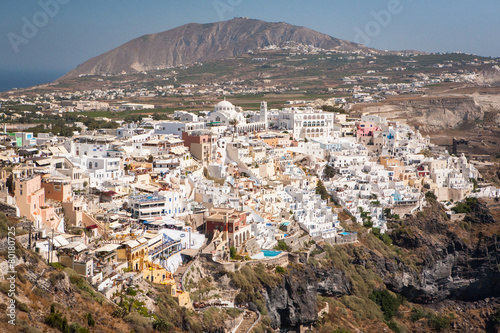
265,254
270,253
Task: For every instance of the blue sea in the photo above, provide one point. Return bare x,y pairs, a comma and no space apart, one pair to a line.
10,79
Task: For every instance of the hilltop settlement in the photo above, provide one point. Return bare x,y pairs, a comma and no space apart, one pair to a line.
143,201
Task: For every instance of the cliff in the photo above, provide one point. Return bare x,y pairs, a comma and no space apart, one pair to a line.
458,262
293,302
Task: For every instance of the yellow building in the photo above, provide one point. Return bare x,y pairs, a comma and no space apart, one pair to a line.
159,275
134,252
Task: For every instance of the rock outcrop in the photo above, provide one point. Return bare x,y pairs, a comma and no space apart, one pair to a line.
293,302
435,113
451,267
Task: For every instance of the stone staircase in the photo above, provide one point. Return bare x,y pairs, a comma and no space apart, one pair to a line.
101,228
251,247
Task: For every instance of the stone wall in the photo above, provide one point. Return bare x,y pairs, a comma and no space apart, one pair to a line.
342,239
280,260
8,209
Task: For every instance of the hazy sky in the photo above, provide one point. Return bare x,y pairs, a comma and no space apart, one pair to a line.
81,29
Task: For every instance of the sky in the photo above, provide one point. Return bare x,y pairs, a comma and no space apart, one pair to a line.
54,36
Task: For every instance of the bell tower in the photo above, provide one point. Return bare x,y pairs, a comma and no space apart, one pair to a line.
263,114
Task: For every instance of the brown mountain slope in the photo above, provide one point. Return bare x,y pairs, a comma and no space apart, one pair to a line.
193,42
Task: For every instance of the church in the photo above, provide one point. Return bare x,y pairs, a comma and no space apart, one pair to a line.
226,114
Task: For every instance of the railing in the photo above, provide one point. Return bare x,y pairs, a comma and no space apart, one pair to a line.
162,247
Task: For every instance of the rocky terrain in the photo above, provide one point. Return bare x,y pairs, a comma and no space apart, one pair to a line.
191,43
431,113
437,275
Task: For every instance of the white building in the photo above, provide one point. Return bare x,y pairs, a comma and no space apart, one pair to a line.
307,122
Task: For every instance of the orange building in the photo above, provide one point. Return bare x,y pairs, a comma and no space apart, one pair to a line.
57,189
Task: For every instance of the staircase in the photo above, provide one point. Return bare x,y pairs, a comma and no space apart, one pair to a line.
89,220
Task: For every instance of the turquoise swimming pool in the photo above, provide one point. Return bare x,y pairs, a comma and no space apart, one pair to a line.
263,254
270,253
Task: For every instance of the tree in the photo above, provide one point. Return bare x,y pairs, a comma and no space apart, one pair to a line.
388,303
234,122
282,246
329,171
321,190
90,320
232,252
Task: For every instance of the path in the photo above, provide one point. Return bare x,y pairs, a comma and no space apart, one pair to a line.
249,318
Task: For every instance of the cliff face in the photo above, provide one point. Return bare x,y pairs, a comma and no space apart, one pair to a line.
455,264
193,42
435,113
293,302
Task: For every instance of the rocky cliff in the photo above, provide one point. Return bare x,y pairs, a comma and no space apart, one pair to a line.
435,113
440,264
453,262
293,302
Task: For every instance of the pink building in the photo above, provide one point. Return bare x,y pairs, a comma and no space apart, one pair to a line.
366,129
30,198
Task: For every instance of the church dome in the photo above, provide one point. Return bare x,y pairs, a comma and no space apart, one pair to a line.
224,112
224,106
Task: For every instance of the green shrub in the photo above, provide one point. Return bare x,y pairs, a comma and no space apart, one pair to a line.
5,224
430,196
464,207
131,291
439,323
394,327
280,270
90,320
388,303
232,252
57,320
4,287
161,325
76,328
383,237
56,276
416,314
282,246
233,312
57,265
22,306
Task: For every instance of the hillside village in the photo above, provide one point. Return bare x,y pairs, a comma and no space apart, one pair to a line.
143,201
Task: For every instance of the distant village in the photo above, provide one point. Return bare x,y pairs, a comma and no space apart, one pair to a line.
143,201
369,87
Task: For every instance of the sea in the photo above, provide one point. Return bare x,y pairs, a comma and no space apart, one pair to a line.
10,79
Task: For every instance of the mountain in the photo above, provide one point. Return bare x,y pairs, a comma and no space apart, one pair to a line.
194,42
